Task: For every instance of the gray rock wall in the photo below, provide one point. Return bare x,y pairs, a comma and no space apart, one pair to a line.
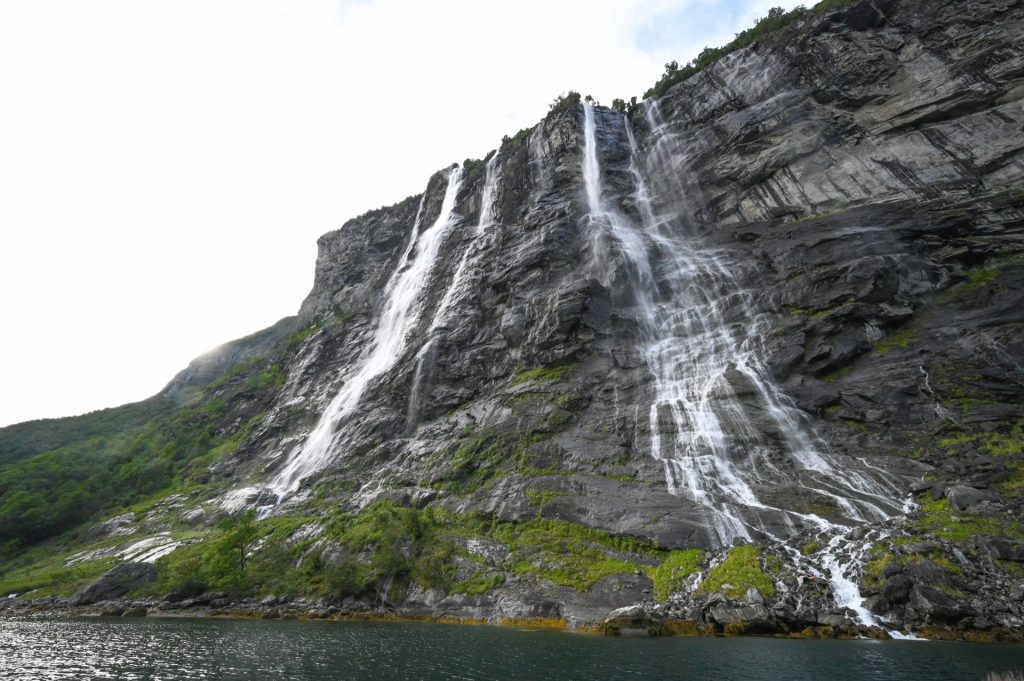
860,174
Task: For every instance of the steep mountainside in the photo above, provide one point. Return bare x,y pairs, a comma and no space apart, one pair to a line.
747,358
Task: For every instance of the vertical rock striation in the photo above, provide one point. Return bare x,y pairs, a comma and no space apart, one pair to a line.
769,307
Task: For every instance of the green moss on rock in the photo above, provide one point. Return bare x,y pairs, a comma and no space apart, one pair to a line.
543,374
670,576
478,584
740,571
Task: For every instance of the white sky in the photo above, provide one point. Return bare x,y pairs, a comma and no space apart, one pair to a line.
167,166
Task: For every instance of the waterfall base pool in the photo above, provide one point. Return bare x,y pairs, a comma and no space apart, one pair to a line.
108,648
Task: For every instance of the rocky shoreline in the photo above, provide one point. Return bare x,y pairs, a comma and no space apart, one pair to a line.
841,199
717,616
893,585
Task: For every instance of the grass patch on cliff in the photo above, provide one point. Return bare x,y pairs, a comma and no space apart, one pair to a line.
479,459
1011,567
405,545
939,559
570,554
740,571
811,547
980,279
338,318
1013,485
671,575
486,455
478,584
879,557
268,378
544,374
41,572
296,340
977,280
385,548
577,567
566,554
373,554
1003,444
542,498
903,338
937,517
836,374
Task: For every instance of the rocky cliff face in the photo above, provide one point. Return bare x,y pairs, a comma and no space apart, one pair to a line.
857,177
778,306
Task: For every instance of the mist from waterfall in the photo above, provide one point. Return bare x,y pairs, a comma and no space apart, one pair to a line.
399,315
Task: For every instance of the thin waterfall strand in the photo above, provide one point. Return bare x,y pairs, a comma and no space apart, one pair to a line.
457,289
399,316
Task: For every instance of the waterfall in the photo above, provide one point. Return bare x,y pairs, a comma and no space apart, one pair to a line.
839,561
457,289
847,594
460,281
401,311
845,591
700,336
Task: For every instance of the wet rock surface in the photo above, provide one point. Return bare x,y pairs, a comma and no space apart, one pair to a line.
858,176
116,583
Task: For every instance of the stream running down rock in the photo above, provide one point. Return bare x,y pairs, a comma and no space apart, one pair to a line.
743,357
722,318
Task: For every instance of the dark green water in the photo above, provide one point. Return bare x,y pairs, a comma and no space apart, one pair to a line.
89,648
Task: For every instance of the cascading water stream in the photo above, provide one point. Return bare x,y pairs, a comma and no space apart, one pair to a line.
845,590
398,317
457,289
700,337
701,340
829,563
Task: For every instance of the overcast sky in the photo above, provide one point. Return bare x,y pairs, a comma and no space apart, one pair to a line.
166,167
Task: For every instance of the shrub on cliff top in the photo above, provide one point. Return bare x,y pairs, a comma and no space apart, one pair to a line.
776,19
566,101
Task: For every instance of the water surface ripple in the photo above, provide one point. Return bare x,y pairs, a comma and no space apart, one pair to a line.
102,648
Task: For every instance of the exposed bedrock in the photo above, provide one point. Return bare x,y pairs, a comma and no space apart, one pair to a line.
779,305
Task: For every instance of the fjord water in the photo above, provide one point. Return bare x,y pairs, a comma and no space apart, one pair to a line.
87,648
